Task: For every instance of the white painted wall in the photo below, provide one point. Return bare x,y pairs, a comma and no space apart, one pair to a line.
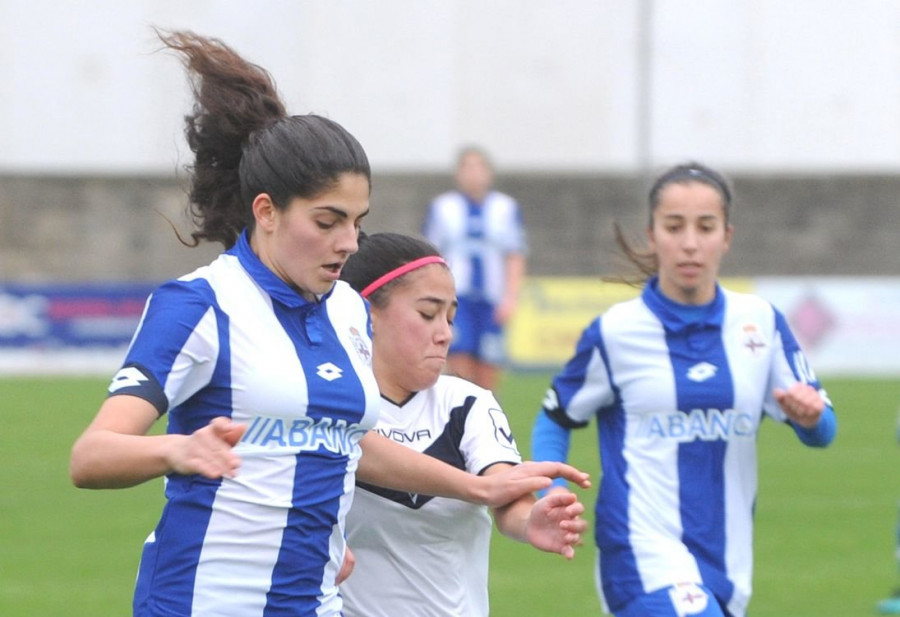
544,84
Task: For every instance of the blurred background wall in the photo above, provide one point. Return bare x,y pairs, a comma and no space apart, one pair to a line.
580,102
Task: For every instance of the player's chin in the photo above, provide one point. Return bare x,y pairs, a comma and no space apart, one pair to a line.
430,371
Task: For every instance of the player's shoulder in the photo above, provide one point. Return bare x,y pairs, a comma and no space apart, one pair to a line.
196,287
448,199
501,201
737,302
453,390
624,313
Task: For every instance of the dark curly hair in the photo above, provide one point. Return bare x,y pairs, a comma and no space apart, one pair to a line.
244,143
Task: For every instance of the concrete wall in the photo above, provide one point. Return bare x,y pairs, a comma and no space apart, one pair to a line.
118,228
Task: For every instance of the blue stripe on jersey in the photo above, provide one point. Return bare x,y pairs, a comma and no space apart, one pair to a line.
173,312
795,359
475,232
612,529
170,561
333,393
701,463
304,554
614,526
703,385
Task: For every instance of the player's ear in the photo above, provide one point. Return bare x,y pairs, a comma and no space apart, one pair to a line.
729,234
264,212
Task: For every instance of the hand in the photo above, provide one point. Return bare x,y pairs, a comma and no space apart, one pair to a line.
801,403
208,451
555,524
504,311
346,567
528,477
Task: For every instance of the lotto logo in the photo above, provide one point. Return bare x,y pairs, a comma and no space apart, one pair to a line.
128,377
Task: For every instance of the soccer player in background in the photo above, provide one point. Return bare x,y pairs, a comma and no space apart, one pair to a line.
480,233
679,380
262,361
415,554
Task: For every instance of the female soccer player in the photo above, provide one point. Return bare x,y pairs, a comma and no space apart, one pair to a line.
480,232
415,554
262,361
678,380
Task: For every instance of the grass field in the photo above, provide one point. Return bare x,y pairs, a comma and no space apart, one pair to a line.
824,533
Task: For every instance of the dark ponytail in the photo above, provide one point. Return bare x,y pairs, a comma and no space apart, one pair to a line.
244,143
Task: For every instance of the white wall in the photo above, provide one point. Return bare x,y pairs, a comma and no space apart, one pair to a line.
544,84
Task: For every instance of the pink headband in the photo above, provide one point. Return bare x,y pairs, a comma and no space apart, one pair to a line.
398,272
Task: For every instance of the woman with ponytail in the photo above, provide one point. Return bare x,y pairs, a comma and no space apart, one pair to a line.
262,362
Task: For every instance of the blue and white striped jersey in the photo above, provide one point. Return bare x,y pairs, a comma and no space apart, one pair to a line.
232,339
678,404
475,239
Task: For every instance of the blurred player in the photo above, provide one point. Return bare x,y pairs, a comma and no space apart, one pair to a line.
678,381
417,554
481,234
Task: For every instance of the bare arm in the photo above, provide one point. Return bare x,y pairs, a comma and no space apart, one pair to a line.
388,464
115,451
552,523
515,275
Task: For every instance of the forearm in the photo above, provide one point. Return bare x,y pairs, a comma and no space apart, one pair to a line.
550,442
822,433
390,465
512,520
515,275
105,459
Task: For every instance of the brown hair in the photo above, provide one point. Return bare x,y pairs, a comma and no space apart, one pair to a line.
644,259
244,143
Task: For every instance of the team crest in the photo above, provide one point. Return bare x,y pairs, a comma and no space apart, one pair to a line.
752,338
688,599
502,432
362,349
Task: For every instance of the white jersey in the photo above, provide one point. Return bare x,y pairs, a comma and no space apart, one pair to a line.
679,406
422,556
476,239
233,340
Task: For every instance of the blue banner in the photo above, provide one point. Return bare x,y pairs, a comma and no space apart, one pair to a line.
56,316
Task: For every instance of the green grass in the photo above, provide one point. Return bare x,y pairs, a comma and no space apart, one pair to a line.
824,533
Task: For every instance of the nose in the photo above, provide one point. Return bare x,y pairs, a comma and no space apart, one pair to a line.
348,241
444,332
689,240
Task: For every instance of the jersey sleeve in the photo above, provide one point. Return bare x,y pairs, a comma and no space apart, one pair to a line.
583,387
487,438
432,226
517,238
789,366
174,350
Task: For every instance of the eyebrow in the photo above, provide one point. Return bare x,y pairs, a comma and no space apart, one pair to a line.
681,216
433,300
339,212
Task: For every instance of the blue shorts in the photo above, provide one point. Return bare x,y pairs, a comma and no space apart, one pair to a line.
476,333
683,600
